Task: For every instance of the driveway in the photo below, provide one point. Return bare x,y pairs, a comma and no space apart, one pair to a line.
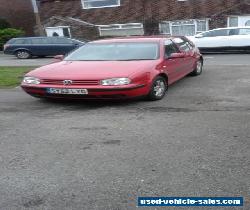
102,155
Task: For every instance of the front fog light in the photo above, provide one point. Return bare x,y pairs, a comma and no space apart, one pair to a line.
116,81
31,80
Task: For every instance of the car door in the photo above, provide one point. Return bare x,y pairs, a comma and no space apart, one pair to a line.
187,61
40,46
240,39
172,66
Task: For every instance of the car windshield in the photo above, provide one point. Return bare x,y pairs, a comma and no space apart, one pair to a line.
115,52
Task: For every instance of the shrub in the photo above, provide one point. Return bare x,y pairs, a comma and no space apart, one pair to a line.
9,33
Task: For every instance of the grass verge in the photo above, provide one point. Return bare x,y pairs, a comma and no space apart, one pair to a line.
12,76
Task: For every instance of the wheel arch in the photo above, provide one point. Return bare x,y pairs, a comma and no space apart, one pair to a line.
164,76
201,58
22,49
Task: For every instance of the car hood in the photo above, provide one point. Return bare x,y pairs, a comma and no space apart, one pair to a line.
92,69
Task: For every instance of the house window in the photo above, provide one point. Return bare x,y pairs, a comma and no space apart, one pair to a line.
58,31
183,27
165,28
233,21
238,21
88,4
128,29
247,23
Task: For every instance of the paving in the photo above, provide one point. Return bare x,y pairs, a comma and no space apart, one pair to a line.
103,155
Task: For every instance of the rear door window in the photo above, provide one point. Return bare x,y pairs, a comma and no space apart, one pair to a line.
63,41
233,32
39,41
244,31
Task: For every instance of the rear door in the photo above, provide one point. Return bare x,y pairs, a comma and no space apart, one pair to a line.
240,39
40,46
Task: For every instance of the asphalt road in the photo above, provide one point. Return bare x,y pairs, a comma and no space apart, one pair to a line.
102,155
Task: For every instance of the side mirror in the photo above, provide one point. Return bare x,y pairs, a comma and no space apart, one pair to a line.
177,55
59,57
198,36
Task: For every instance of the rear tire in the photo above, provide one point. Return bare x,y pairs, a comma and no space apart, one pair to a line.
158,89
23,54
198,69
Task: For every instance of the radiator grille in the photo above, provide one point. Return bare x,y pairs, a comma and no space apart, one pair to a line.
74,82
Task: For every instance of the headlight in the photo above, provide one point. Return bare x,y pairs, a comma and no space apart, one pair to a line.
31,80
116,81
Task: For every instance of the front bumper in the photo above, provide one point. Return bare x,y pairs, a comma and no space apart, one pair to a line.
97,92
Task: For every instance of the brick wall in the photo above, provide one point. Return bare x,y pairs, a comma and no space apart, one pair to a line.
19,14
149,12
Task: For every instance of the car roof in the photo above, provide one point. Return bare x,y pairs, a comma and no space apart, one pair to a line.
37,37
136,39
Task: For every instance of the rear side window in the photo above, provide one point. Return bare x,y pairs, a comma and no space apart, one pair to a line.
244,31
182,44
170,48
19,41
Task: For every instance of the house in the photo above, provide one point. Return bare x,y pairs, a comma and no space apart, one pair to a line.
91,19
19,13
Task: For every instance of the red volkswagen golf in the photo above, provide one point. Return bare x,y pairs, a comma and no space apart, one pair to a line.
116,69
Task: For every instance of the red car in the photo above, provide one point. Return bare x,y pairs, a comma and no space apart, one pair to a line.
117,68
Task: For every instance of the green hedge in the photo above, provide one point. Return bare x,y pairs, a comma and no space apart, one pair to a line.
9,33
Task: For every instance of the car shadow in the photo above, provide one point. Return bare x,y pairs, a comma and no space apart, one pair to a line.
92,104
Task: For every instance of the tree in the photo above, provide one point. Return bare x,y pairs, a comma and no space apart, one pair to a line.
150,21
9,33
4,24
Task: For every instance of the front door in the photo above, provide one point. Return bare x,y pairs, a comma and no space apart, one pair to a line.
172,66
188,60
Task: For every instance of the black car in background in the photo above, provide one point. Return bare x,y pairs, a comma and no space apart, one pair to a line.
27,47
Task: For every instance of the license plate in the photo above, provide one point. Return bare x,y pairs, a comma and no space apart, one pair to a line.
67,91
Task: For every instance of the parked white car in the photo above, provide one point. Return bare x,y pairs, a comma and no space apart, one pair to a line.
235,39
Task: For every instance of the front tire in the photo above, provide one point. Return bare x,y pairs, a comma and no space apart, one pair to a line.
23,54
158,89
198,69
